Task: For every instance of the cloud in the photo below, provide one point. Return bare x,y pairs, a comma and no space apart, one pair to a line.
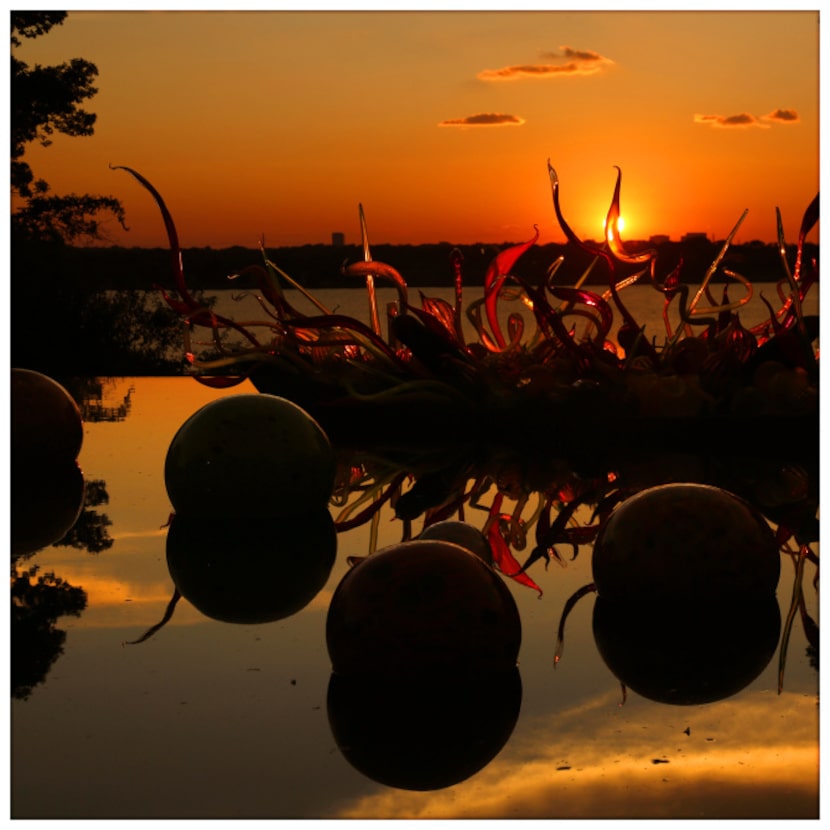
528,70
782,116
575,54
567,61
484,119
743,119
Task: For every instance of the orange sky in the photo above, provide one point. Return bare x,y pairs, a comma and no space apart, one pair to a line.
441,123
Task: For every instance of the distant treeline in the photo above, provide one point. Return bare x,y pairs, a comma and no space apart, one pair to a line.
319,266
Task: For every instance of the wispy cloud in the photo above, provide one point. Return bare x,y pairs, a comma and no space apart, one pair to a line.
566,62
484,119
745,119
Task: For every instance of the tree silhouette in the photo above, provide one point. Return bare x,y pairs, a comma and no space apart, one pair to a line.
79,330
46,100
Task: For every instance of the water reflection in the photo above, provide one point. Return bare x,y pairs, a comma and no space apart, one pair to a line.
94,397
249,570
599,761
51,501
90,531
52,504
571,750
37,601
46,501
426,732
687,654
254,570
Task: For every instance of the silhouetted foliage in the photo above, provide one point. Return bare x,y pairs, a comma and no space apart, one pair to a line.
66,219
60,326
33,24
46,100
37,601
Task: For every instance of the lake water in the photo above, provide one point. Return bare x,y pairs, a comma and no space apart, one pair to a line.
644,303
217,720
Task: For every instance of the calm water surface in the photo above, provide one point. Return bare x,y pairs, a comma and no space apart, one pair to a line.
218,720
644,303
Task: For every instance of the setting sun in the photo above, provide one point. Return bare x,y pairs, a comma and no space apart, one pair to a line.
620,224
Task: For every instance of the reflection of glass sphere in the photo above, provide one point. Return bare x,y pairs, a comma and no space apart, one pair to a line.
687,653
46,500
252,570
423,733
422,604
688,541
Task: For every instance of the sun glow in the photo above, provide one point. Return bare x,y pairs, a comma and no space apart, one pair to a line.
620,224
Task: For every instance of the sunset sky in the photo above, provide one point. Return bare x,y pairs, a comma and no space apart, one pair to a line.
441,123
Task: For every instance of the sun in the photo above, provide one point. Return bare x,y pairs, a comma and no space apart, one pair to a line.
620,224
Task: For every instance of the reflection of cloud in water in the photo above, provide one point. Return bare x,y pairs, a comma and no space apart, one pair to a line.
139,534
112,603
751,757
108,590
